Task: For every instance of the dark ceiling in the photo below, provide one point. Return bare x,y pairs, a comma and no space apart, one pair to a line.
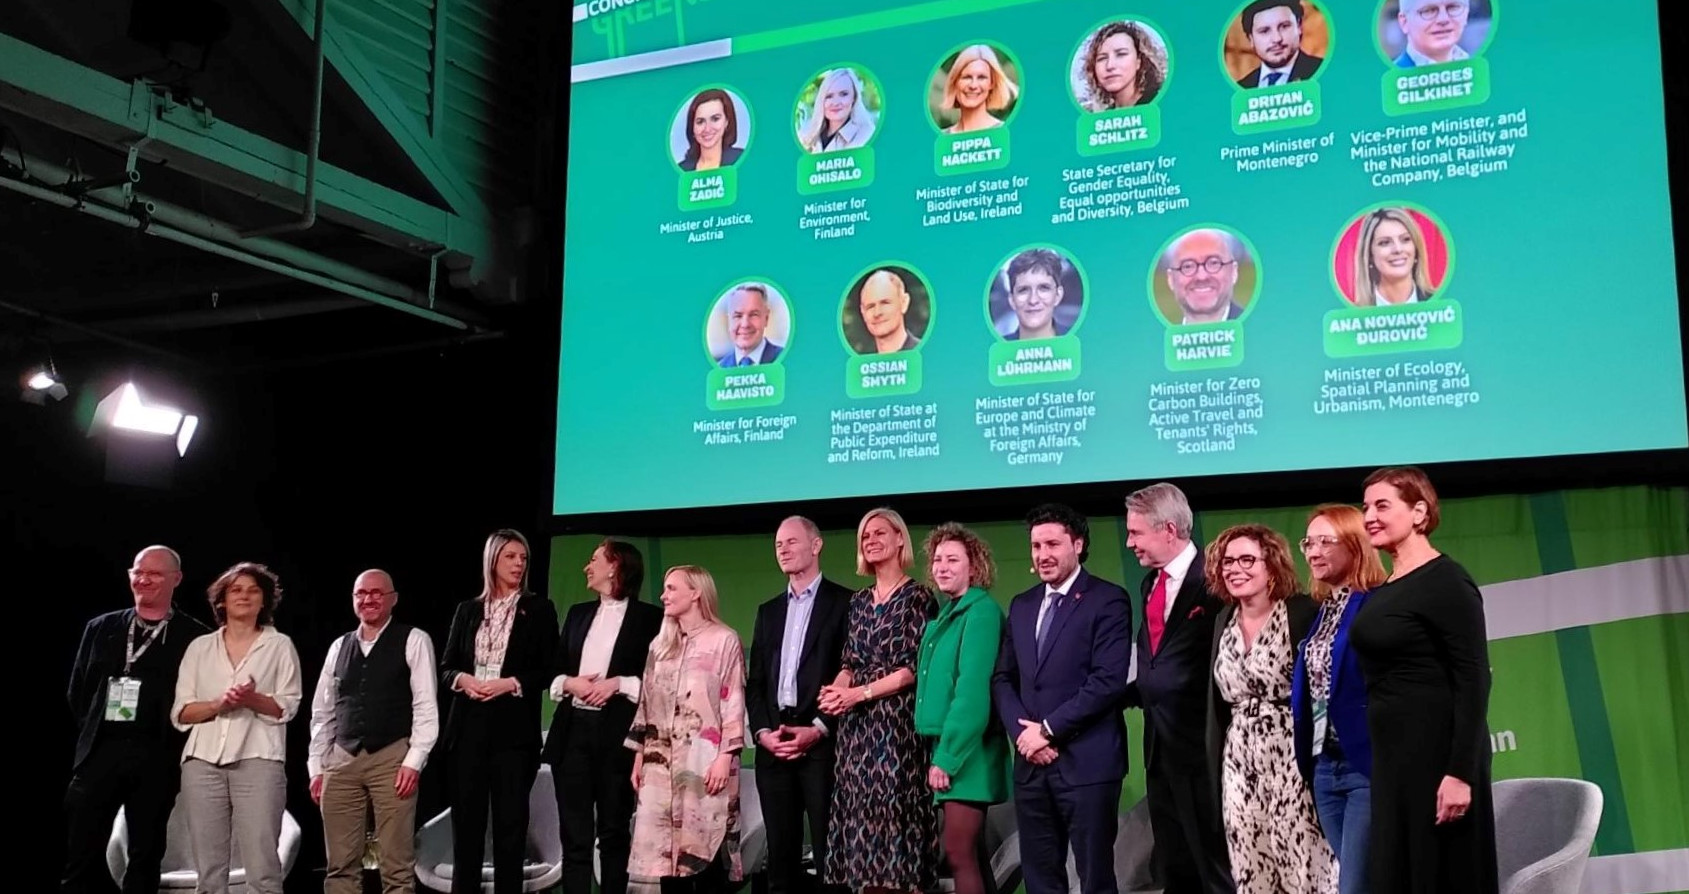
87,290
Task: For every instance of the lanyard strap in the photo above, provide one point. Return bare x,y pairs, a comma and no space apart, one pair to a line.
132,654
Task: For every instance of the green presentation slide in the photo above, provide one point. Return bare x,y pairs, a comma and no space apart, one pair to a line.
879,248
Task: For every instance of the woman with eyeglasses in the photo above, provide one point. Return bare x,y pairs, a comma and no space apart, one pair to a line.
1328,693
1272,832
1425,653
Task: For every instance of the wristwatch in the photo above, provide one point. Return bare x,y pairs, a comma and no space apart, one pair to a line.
1045,726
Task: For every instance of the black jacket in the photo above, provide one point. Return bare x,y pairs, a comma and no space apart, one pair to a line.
823,647
513,719
627,659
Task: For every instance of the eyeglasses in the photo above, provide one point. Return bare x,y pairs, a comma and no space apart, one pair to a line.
1189,267
1244,562
1452,10
1324,542
369,594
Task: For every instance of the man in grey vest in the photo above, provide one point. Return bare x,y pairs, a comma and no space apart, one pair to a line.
373,721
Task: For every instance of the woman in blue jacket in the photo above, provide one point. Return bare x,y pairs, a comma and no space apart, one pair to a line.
1328,693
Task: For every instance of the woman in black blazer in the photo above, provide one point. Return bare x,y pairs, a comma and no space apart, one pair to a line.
496,667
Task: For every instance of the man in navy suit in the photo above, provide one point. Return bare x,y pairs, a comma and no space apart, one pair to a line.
1061,673
1174,656
1274,28
747,322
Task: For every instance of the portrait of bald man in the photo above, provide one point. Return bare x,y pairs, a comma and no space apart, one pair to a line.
884,302
374,720
749,312
128,754
1202,267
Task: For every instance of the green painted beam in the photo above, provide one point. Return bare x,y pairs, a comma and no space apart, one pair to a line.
409,130
73,97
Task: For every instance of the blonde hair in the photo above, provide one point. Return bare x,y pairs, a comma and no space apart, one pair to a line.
1003,90
810,137
1366,275
1350,525
496,542
667,643
905,551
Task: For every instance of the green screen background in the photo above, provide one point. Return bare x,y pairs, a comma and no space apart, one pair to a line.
1564,261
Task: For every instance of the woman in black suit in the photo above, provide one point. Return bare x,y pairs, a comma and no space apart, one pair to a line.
496,667
1425,654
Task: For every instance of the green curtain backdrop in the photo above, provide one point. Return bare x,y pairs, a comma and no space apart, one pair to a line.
1587,598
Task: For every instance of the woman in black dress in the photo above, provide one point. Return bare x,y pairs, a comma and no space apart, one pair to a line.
884,833
1423,649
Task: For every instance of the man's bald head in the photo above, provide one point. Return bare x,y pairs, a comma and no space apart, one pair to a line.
153,579
373,598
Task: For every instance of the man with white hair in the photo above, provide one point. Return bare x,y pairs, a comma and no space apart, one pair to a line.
1172,688
128,754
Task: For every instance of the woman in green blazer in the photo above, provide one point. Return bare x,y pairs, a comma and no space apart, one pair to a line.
970,762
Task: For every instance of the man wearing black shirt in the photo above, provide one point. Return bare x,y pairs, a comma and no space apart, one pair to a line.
127,752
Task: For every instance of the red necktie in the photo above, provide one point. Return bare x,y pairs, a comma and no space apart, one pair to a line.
1155,611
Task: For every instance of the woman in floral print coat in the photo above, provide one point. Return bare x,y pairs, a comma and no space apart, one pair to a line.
686,738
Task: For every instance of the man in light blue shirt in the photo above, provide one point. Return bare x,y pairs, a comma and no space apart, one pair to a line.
795,650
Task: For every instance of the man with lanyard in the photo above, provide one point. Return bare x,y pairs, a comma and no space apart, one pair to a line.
127,751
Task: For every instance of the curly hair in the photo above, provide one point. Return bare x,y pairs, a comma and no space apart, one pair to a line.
1152,65
1275,552
268,583
982,571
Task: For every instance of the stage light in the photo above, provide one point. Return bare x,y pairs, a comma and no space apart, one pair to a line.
124,410
40,384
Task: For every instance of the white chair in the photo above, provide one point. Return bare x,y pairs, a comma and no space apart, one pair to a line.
177,871
1543,832
542,868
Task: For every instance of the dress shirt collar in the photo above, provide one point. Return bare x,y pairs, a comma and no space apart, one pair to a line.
1180,567
1065,585
808,590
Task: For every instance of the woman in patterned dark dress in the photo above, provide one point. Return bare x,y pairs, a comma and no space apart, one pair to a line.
1272,833
884,832
1424,651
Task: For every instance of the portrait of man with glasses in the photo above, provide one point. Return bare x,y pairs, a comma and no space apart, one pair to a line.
1202,273
1433,31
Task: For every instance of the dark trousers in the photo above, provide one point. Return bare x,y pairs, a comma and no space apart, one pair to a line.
712,880
484,771
1051,816
595,798
143,780
790,792
1190,843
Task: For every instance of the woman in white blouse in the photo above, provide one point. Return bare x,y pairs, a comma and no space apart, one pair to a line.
237,689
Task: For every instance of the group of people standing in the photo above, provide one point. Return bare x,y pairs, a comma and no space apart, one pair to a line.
1332,741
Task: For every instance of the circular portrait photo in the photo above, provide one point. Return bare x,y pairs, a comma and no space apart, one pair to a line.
1273,42
750,324
1039,292
1122,63
711,130
1207,274
1392,254
887,309
1412,33
975,88
838,109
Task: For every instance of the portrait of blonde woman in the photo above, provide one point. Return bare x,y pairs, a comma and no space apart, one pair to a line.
1392,265
979,91
1121,65
837,113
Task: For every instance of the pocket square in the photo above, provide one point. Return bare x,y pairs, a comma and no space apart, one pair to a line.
1194,612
